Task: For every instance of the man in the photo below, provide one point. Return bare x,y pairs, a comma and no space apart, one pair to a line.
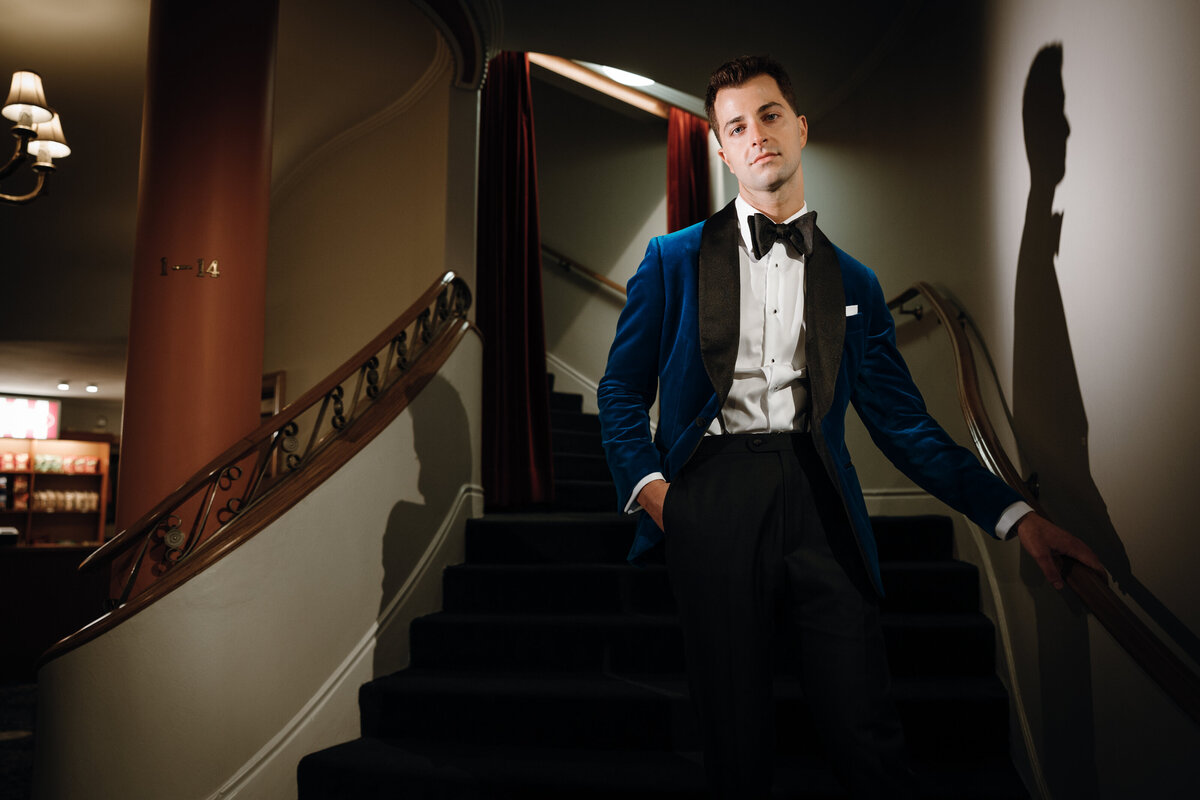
756,336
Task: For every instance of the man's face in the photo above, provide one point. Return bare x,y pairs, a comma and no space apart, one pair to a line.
761,137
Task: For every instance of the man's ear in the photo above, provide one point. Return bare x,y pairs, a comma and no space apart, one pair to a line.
803,123
721,153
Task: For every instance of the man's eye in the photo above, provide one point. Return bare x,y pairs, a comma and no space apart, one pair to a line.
735,131
771,117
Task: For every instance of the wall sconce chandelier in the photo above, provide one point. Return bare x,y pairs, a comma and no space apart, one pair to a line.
37,129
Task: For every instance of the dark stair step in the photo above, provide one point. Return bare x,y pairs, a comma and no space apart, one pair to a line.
918,644
963,718
572,466
578,442
577,495
919,538
375,769
620,588
563,401
574,421
557,538
605,536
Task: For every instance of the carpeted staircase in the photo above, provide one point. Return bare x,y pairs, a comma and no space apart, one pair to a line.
556,670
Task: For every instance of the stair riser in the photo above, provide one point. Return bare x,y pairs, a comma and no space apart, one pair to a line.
634,590
581,468
575,441
584,495
657,649
496,540
572,421
572,403
965,727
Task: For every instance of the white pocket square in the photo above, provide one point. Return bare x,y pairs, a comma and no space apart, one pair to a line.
851,311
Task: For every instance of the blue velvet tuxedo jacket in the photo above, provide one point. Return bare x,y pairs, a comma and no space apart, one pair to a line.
678,335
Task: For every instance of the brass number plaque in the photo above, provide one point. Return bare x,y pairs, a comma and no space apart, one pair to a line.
211,271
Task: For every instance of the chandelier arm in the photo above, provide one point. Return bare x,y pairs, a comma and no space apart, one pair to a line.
21,199
20,154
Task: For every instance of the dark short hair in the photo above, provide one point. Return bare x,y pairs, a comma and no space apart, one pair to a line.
739,71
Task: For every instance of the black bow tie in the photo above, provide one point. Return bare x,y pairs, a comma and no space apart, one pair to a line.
764,233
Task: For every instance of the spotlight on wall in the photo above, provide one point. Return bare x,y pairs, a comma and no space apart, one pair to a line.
37,130
91,388
64,386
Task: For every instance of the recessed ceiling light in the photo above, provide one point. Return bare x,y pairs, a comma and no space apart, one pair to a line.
63,386
92,388
627,78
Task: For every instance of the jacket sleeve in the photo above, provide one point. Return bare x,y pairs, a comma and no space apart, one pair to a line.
627,390
891,406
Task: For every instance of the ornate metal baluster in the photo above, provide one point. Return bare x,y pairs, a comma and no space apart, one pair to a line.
398,355
329,398
373,386
423,329
385,380
234,505
401,341
288,444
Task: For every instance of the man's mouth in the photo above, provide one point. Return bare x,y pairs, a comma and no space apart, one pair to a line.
761,157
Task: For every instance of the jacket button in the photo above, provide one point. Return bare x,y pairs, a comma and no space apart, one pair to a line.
700,422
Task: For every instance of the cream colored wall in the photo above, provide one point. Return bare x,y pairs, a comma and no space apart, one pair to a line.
922,174
362,177
602,190
219,688
1125,273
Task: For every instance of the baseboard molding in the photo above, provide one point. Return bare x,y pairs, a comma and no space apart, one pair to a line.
284,750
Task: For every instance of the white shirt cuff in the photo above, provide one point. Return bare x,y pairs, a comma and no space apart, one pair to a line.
1006,525
632,505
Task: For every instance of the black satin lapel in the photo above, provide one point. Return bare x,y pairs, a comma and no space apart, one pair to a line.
825,322
719,298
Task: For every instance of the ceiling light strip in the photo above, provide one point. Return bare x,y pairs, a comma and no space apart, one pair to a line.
572,71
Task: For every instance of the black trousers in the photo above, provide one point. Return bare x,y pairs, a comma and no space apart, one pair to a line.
757,542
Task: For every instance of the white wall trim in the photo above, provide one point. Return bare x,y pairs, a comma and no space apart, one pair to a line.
310,711
442,60
580,383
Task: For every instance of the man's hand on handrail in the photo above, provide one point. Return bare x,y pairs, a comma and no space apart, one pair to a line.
1045,541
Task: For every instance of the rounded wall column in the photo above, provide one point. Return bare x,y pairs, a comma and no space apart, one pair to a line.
193,377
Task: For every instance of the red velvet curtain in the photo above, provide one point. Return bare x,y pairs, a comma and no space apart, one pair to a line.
687,169
517,467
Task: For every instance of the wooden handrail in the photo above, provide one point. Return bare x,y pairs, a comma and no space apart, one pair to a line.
260,463
591,275
255,519
1155,657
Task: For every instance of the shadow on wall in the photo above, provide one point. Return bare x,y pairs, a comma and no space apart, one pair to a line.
442,442
1051,425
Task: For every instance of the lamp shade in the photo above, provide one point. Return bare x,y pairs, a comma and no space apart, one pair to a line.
26,102
49,142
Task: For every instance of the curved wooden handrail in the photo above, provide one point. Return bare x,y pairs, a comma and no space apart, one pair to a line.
255,519
1150,652
273,456
591,275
